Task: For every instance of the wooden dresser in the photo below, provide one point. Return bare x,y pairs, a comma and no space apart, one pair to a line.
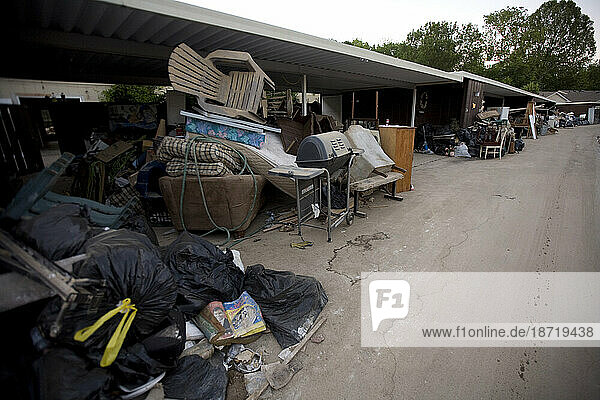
398,142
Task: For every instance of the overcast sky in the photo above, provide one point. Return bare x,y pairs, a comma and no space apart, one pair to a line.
374,21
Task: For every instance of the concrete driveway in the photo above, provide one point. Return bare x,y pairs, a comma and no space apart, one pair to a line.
533,211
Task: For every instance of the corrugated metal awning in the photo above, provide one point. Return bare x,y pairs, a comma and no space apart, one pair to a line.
493,87
130,41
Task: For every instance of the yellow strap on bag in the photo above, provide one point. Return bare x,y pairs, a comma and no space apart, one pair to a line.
116,340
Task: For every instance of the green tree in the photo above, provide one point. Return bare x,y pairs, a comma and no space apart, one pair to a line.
514,70
398,50
435,44
443,45
359,43
470,45
503,32
559,43
550,49
132,94
589,78
532,87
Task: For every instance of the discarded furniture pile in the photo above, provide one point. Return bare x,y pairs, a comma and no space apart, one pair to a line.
123,317
209,172
216,173
447,141
489,136
533,121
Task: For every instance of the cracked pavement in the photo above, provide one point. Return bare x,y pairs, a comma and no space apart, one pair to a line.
534,211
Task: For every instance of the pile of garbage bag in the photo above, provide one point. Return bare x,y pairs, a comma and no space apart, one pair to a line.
174,319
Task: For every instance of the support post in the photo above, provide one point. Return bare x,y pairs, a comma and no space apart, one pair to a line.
304,105
377,108
414,107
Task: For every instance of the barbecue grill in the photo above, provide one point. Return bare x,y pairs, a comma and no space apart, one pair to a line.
318,158
328,150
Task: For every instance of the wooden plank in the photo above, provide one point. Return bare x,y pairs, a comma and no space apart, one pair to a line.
272,228
113,151
258,95
52,278
200,69
472,101
241,86
251,95
184,49
224,90
376,181
239,92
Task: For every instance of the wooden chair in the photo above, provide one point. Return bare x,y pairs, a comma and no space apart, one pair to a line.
235,93
494,147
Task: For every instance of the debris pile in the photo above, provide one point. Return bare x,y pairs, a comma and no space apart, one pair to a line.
172,320
487,132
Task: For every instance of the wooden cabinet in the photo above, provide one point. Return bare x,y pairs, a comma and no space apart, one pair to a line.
398,143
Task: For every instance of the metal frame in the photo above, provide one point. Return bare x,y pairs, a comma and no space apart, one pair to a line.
347,214
387,195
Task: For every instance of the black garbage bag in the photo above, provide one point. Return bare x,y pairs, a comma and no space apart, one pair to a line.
62,375
203,273
167,343
135,367
519,144
131,267
289,303
195,378
58,232
140,224
338,198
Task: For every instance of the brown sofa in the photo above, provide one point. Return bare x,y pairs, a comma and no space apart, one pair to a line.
228,198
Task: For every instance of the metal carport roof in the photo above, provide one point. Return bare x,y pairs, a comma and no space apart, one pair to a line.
493,87
130,41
